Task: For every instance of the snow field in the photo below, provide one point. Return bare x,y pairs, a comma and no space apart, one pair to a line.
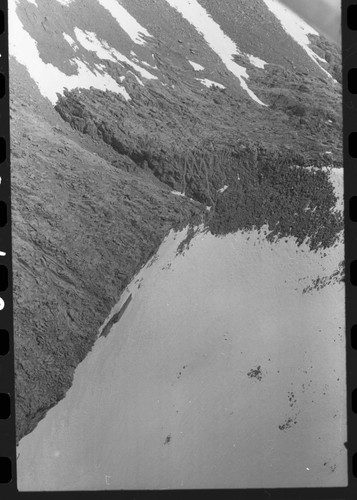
127,22
219,366
210,83
49,79
219,42
196,66
90,41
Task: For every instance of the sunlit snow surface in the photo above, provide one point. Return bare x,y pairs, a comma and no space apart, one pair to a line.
127,22
219,42
49,78
297,28
90,41
148,65
70,41
227,361
257,62
178,193
65,2
210,83
196,66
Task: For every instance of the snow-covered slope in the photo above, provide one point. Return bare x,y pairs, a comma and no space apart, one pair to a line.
31,46
297,29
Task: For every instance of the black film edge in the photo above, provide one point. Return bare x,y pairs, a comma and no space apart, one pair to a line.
349,59
7,402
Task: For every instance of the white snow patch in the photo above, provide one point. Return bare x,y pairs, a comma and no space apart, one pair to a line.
256,61
223,189
219,42
178,193
90,42
170,397
148,65
126,21
65,2
49,79
137,78
70,41
297,28
102,49
196,66
210,83
134,56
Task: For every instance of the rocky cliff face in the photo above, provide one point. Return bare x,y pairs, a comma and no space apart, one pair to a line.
96,172
82,226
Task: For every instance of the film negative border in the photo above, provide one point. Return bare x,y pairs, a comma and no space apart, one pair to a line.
8,488
349,60
7,403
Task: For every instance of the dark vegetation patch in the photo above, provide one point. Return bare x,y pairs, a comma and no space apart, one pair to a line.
291,201
292,399
256,373
289,422
265,187
185,243
320,282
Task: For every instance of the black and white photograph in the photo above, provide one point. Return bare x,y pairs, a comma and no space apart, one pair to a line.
177,207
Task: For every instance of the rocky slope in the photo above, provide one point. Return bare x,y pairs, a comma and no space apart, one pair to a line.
329,23
81,228
96,172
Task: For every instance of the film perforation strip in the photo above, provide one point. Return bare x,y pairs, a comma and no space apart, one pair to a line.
352,144
352,81
4,342
351,16
350,89
6,361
